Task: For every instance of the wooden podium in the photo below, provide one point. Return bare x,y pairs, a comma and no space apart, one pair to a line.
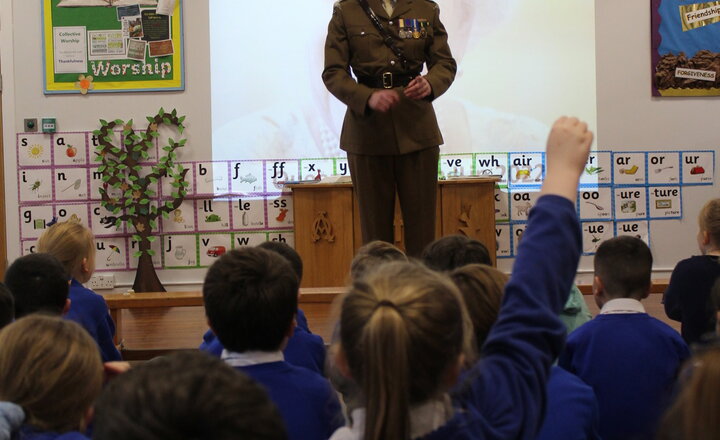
327,224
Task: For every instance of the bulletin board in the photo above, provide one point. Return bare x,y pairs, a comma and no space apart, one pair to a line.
112,48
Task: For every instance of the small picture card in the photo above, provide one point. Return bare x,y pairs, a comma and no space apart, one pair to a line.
127,11
279,171
111,253
161,48
70,149
181,219
280,212
155,246
455,165
595,203
521,202
78,213
241,239
639,229
526,168
316,169
28,247
629,168
698,167
503,248
212,215
248,213
488,164
136,49
132,27
212,178
156,27
106,45
663,168
71,184
594,233
598,169
287,237
630,203
517,229
180,251
502,204
665,202
34,150
166,7
213,246
34,220
246,177
341,167
102,221
35,185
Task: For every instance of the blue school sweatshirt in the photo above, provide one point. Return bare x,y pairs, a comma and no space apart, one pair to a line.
89,309
631,362
29,433
504,394
307,402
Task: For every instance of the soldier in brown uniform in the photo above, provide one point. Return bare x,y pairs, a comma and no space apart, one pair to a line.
390,132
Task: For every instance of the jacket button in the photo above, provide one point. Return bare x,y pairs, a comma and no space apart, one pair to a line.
392,62
390,22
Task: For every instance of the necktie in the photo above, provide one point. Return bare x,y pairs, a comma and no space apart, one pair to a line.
389,6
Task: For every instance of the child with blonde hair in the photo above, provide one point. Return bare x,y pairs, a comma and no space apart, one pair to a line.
687,298
50,376
403,331
74,246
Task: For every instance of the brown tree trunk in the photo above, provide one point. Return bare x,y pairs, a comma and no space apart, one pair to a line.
146,279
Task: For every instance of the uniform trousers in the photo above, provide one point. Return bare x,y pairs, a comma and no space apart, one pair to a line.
413,176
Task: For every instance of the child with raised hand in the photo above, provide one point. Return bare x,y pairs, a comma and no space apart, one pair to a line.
50,376
687,298
403,331
74,246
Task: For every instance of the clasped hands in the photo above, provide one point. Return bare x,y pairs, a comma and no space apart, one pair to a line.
385,99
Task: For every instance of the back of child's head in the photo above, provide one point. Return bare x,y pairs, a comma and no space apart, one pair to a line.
709,220
38,283
402,330
71,243
186,395
453,251
482,288
51,368
7,306
288,253
250,299
624,265
372,255
694,413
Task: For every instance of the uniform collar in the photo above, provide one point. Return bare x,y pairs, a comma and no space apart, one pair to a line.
622,306
424,418
248,358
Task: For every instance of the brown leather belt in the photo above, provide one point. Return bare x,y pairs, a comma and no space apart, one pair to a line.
387,80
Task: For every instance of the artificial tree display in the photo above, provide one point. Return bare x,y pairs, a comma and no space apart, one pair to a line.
128,181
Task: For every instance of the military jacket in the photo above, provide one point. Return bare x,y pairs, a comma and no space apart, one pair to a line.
354,47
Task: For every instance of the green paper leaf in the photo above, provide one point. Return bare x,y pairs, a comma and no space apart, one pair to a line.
151,252
174,112
161,111
116,211
105,178
97,132
131,210
182,142
137,254
103,122
167,121
118,223
119,122
153,179
181,128
181,119
144,201
150,119
152,238
136,237
153,224
165,215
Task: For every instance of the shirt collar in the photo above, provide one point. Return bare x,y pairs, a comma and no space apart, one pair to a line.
248,358
424,418
622,306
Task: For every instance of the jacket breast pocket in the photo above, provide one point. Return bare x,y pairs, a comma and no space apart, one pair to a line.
363,43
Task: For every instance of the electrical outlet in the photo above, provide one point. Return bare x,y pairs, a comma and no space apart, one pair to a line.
100,282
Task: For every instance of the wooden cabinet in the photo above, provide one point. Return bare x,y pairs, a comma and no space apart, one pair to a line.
327,225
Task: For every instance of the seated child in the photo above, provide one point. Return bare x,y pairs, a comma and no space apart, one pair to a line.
372,255
304,349
7,306
629,358
50,376
38,284
687,298
186,396
572,409
453,251
74,246
250,301
404,329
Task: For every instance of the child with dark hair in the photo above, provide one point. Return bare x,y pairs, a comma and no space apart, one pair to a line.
251,300
186,396
38,283
50,376
453,251
304,349
629,358
7,306
687,298
372,255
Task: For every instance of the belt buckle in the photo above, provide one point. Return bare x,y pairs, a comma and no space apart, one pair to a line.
387,80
